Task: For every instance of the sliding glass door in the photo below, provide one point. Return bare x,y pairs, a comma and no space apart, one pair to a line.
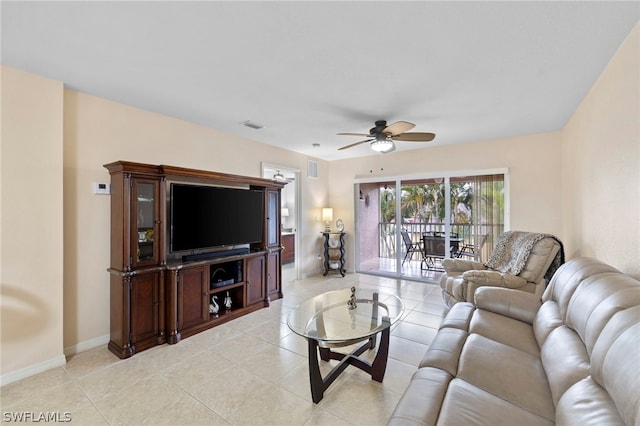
406,227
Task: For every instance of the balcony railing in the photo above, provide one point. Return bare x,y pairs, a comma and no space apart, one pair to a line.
470,234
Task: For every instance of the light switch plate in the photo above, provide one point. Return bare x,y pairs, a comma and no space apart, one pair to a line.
101,188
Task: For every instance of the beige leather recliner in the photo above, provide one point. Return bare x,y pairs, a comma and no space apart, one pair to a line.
520,260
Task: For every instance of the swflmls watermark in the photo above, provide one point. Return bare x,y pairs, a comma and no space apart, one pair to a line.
35,417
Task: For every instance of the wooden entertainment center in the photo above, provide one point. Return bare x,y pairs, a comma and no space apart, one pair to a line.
158,297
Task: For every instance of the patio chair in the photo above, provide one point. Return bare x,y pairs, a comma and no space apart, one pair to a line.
471,250
520,260
410,246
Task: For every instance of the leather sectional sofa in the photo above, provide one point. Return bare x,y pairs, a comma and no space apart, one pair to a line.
513,358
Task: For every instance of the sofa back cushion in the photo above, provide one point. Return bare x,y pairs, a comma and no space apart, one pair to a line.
567,278
596,300
615,362
610,394
588,329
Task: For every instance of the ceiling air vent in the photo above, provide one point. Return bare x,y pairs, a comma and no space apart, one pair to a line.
312,169
252,124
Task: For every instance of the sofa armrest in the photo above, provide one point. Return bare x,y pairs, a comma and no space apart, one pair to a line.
473,280
461,265
514,304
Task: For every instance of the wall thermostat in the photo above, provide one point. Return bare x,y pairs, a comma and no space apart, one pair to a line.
101,188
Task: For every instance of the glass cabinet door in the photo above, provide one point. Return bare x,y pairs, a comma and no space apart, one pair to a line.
273,213
145,219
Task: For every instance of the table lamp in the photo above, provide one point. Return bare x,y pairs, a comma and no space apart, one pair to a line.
327,217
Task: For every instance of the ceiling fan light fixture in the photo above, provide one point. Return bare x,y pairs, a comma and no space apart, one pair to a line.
382,145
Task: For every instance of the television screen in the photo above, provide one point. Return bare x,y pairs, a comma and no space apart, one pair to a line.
206,216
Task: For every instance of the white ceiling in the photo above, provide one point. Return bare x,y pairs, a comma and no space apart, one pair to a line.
467,71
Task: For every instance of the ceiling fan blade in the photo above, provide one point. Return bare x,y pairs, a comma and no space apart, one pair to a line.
353,134
354,144
398,127
414,137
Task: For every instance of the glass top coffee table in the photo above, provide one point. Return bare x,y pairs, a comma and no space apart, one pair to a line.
343,318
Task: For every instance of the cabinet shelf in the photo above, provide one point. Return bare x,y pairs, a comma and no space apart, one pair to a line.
224,287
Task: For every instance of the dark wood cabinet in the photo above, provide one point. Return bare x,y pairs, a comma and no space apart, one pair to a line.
146,300
288,248
255,280
193,296
274,281
274,245
155,300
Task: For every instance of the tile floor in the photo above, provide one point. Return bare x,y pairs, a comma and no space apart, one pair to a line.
252,370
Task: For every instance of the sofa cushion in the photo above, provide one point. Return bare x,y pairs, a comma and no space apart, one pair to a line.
567,278
565,360
421,402
444,351
597,300
615,363
546,320
466,404
459,316
508,373
587,403
508,302
507,331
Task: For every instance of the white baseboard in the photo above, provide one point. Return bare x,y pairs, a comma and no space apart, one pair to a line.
86,345
58,361
23,373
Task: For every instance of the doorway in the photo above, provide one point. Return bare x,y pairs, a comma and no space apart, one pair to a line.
406,226
290,216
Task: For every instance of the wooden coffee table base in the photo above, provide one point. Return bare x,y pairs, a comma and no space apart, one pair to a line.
375,369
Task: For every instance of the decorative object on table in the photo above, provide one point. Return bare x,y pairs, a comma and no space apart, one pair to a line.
214,308
334,243
339,225
327,218
227,302
352,300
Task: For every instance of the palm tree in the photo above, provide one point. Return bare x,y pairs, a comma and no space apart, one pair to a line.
414,198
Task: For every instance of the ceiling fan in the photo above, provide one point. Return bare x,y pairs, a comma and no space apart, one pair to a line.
382,137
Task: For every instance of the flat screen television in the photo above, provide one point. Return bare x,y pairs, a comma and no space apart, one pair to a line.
203,217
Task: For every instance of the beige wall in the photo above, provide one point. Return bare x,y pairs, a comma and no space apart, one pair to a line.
98,131
534,176
601,164
31,221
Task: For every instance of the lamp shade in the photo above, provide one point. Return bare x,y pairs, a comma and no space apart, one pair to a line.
284,212
327,214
